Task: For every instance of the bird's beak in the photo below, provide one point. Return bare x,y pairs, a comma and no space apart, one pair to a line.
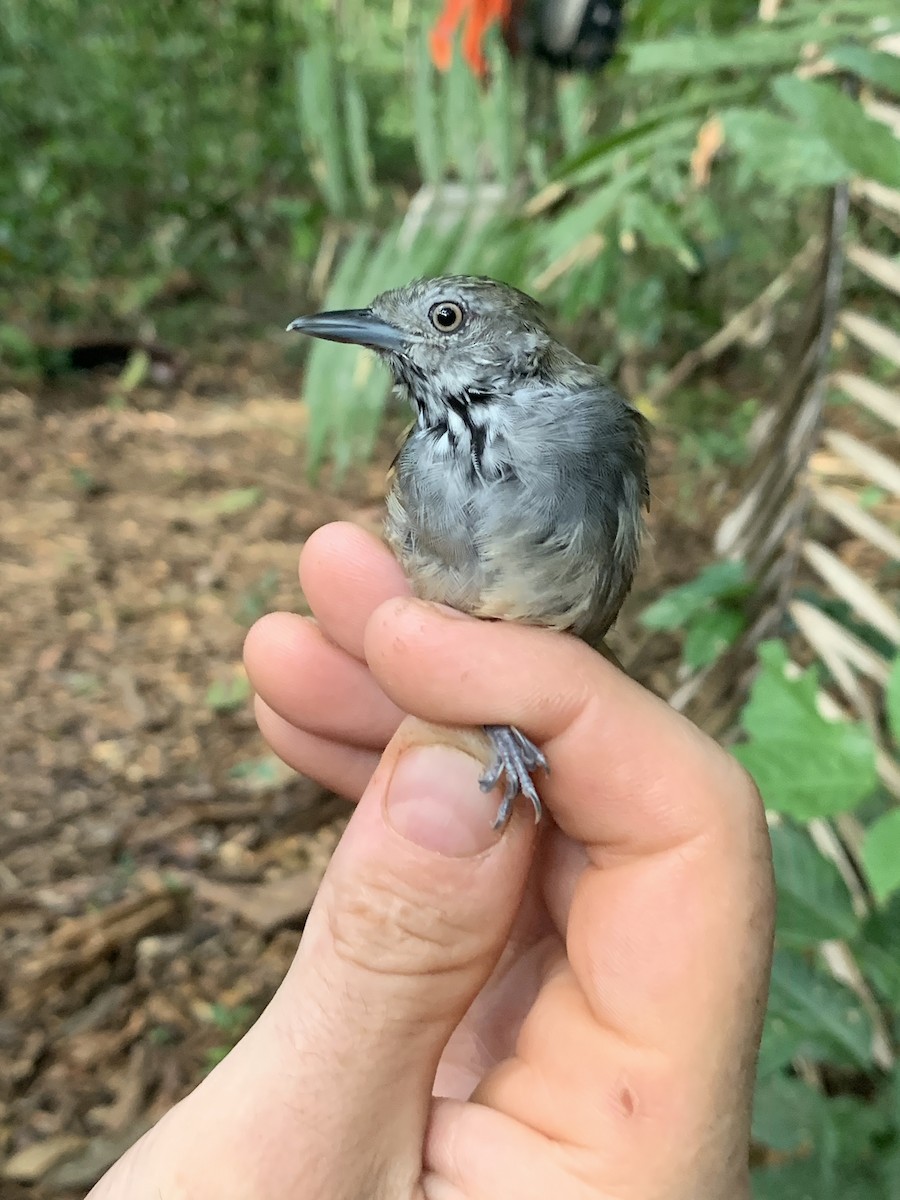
359,326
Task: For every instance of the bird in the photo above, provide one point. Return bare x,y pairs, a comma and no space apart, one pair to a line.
520,489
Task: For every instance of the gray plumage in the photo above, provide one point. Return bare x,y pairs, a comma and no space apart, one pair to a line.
518,493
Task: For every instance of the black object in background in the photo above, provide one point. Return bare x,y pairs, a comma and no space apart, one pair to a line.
571,35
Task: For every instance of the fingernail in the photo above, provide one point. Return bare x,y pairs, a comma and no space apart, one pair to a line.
434,801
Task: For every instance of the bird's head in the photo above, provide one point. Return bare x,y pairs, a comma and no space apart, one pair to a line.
447,337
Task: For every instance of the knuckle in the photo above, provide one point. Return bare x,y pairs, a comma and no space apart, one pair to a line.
385,930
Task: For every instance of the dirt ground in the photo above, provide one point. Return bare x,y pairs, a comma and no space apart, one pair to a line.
156,865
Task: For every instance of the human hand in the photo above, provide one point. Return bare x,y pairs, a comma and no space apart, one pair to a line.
586,1010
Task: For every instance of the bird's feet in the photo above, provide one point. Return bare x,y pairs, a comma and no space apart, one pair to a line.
515,757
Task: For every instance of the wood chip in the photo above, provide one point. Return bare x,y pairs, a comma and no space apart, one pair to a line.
34,1162
265,906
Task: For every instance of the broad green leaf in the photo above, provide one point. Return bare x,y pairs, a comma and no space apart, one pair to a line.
814,904
870,148
843,1165
718,581
709,633
881,854
881,69
781,1043
787,1113
892,701
779,151
877,950
804,765
825,1018
741,51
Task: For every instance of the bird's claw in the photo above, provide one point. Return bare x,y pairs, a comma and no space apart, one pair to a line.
515,757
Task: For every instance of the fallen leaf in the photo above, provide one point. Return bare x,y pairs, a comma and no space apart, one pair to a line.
35,1161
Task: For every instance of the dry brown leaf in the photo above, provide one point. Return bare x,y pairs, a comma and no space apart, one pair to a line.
710,139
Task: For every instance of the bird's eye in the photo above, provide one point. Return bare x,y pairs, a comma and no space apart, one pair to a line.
446,316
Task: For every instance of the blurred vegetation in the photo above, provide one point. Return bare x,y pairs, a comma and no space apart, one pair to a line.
149,154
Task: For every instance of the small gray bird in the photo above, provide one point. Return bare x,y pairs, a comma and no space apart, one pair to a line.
519,490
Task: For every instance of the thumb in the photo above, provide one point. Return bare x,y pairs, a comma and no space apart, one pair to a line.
409,922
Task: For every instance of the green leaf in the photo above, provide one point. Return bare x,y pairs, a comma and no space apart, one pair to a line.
357,139
869,147
709,633
228,695
427,131
237,500
718,581
881,69
877,950
657,227
317,99
825,1019
260,774
779,152
871,496
787,1113
892,701
635,144
814,904
135,371
589,215
740,51
881,854
843,1162
803,765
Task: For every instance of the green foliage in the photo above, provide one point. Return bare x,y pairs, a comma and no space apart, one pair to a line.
813,902
623,230
823,1019
772,149
709,609
881,854
843,1141
137,138
869,148
229,694
804,765
257,599
892,701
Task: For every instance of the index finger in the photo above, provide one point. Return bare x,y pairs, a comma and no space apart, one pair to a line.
628,774
669,927
345,574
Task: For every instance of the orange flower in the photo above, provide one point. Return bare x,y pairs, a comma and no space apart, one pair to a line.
479,15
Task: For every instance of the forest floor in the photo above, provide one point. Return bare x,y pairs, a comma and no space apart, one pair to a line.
156,864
